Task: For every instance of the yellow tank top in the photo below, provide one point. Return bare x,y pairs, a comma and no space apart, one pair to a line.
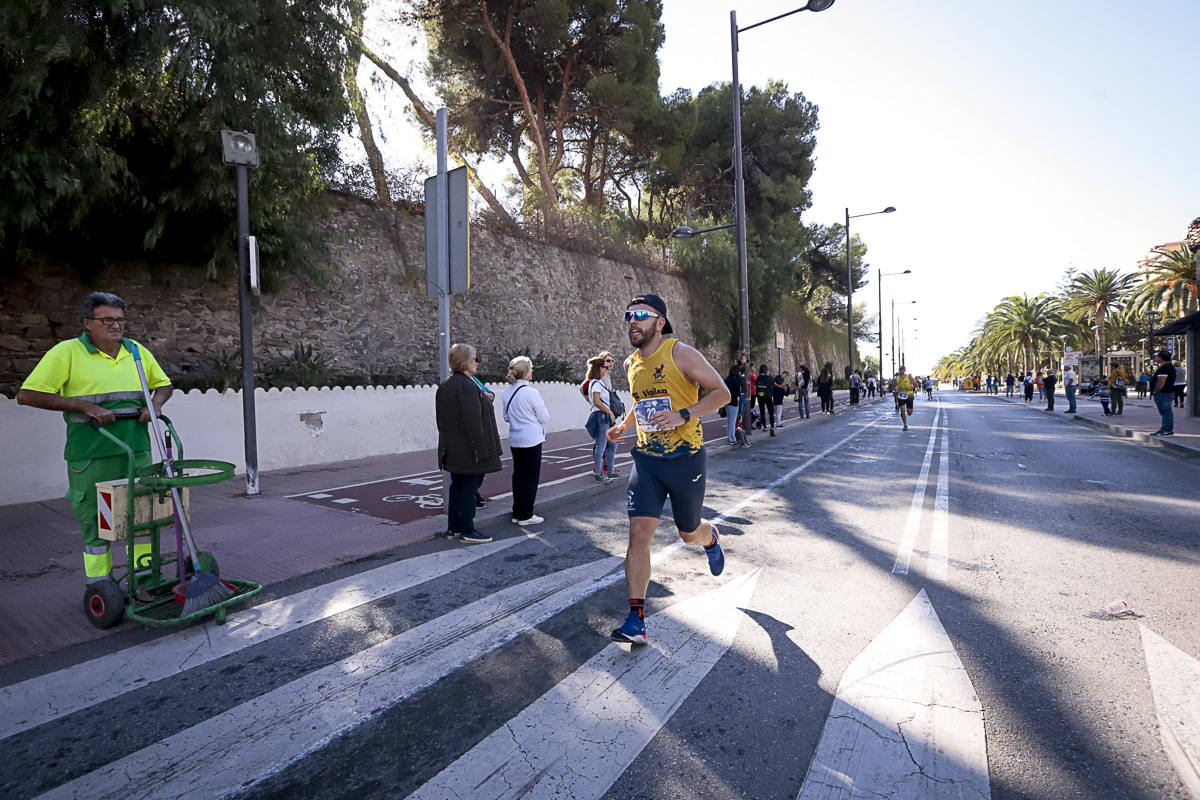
651,381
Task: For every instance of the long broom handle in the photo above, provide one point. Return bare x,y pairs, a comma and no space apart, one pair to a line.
168,465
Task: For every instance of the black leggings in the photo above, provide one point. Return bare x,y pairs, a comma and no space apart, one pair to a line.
766,411
827,402
527,470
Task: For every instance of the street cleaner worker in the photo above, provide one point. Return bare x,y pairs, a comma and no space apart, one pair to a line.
87,378
665,378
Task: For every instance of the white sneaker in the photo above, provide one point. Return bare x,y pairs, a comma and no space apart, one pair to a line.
534,520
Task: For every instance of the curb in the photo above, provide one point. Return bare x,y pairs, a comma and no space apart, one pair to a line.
1118,431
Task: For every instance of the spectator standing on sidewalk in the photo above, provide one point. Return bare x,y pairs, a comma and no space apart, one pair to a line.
1162,389
779,391
1180,385
527,418
1071,384
803,384
1010,381
601,417
766,406
1117,384
1041,386
733,382
872,384
1143,385
468,442
855,386
825,389
1048,384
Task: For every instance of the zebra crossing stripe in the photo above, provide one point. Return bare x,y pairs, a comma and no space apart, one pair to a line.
1174,676
254,740
577,739
47,697
906,722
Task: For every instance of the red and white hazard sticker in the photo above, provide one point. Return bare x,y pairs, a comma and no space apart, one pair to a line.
104,504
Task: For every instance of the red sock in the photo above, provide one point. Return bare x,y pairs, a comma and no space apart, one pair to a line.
638,606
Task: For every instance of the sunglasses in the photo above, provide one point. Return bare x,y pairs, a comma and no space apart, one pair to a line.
641,315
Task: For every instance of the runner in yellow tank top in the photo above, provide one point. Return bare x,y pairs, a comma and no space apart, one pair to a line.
665,376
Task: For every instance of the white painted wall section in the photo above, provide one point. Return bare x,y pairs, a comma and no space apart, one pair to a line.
296,427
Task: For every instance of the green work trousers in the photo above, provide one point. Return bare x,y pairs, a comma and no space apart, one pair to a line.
82,477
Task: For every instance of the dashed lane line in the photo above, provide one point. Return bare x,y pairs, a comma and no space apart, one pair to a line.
912,524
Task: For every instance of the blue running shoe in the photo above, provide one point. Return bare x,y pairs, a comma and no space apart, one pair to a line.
632,632
716,558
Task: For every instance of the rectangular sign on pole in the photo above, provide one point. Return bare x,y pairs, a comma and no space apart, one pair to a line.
1071,358
779,345
459,234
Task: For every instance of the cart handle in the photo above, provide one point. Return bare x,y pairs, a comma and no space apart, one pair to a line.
152,477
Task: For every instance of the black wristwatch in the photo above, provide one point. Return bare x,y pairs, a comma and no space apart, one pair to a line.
687,415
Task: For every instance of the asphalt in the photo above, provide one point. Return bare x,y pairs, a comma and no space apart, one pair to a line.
281,537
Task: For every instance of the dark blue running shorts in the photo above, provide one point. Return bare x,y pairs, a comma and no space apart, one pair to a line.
682,479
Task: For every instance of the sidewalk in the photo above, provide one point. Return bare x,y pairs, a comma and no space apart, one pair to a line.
1138,421
292,529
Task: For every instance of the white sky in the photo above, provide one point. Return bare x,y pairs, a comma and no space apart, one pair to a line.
1016,139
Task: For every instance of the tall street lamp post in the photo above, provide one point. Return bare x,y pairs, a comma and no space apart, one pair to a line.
850,281
1152,317
739,186
879,286
902,302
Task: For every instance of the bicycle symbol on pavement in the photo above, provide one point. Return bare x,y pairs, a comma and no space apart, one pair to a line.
422,500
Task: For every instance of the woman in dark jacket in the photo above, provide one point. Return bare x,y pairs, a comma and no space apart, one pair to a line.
733,382
468,443
825,389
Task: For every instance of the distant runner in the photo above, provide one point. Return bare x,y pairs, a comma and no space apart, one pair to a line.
669,459
904,396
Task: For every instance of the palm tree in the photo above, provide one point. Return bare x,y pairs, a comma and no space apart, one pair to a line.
1171,277
1031,325
1092,296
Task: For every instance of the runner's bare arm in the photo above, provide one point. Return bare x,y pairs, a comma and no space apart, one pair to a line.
696,369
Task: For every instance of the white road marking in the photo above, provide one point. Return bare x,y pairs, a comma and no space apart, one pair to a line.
577,739
319,496
39,700
939,541
73,688
344,500
912,524
260,737
1174,676
906,722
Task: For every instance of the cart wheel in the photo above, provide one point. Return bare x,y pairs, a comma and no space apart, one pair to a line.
220,616
208,563
104,603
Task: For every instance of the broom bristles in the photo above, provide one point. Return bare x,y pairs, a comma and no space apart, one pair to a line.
204,590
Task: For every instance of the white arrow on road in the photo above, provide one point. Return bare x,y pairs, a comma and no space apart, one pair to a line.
1174,678
906,722
579,737
47,697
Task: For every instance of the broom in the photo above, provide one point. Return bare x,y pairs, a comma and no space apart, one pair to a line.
204,589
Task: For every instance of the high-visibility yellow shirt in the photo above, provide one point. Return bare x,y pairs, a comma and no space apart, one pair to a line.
654,381
904,385
77,368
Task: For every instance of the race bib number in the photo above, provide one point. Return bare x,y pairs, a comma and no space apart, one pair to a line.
645,409
902,395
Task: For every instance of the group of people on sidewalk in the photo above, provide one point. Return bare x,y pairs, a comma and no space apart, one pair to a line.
1111,390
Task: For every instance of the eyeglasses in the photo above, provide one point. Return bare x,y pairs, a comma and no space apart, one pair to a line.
608,361
641,315
112,322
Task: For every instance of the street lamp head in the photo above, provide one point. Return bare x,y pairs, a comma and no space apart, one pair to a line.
906,272
239,148
683,232
889,209
818,5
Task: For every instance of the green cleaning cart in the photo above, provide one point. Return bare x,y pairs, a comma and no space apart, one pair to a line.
135,509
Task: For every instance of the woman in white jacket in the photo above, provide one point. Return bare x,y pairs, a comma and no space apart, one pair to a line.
527,417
